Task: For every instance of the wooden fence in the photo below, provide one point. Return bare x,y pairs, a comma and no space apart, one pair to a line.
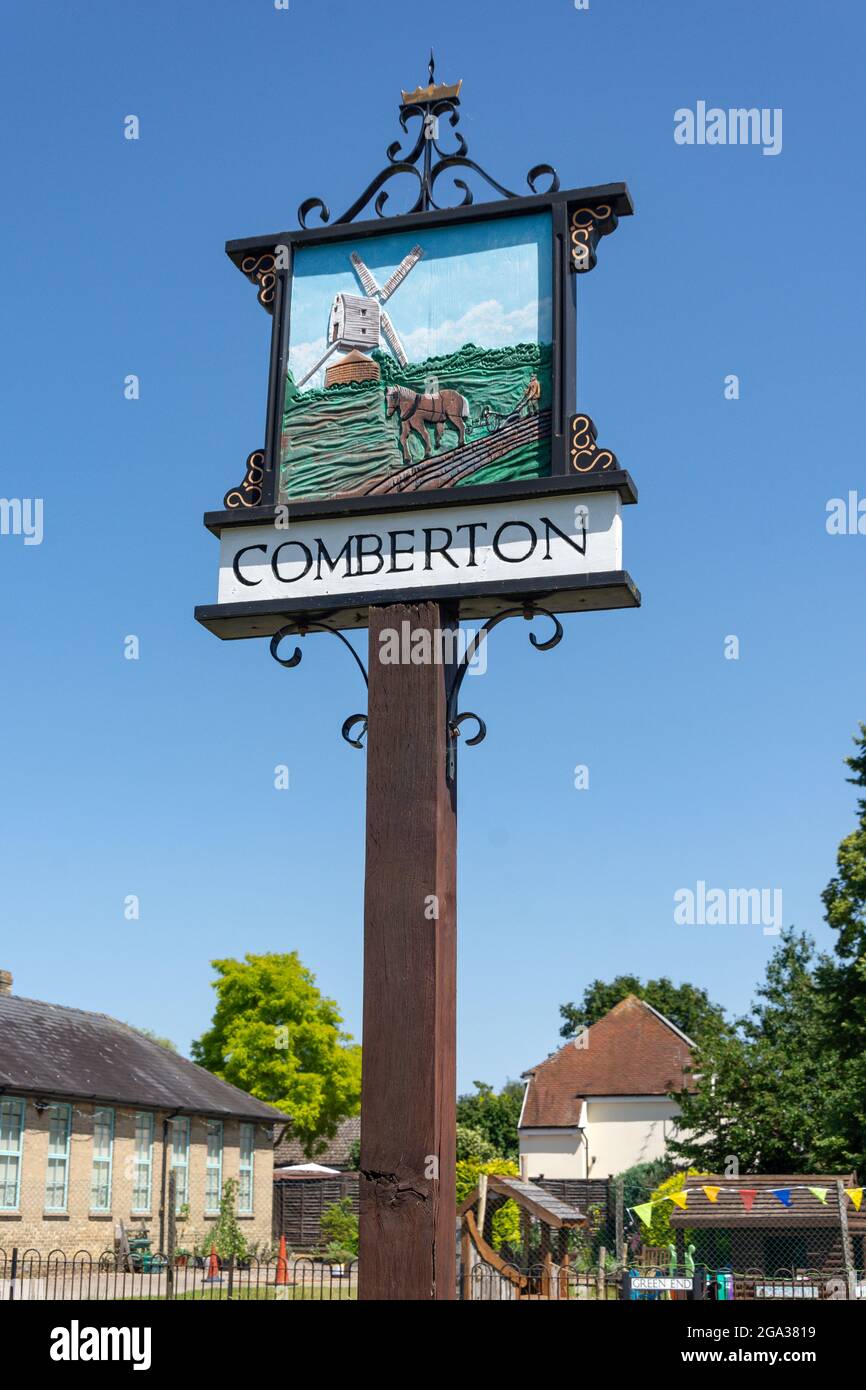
299,1203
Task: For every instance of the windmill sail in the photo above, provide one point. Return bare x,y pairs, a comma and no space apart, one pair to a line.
389,333
393,281
363,274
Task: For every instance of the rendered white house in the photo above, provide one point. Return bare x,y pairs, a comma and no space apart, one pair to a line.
601,1103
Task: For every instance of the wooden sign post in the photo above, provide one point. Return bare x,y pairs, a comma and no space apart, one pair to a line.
424,464
409,1082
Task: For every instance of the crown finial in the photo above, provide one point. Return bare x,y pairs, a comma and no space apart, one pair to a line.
441,91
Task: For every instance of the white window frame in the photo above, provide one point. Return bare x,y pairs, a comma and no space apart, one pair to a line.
100,1162
246,1167
13,1105
56,1158
213,1165
142,1163
180,1165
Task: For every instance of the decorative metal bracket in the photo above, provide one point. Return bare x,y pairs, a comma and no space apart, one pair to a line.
262,271
249,492
587,226
426,161
586,456
454,720
528,611
302,628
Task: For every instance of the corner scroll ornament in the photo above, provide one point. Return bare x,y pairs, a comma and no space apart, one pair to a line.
249,492
262,271
421,167
585,455
586,228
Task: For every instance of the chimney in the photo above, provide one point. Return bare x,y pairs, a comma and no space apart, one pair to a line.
5,982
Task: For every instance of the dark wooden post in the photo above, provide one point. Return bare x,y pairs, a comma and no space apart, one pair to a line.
408,1093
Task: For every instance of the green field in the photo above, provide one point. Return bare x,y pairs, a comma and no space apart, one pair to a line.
337,438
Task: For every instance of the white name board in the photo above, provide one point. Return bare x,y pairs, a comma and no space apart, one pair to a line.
336,557
662,1282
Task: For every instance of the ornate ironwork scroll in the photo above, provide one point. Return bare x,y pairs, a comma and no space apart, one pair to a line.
587,227
424,164
262,271
586,456
249,492
454,720
528,611
301,629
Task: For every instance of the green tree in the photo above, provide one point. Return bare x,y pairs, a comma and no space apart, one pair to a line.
154,1037
473,1146
339,1227
493,1115
639,1182
505,1223
845,910
845,895
687,1006
277,1037
227,1237
777,1093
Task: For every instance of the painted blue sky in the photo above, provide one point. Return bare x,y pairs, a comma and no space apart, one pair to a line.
156,777
484,283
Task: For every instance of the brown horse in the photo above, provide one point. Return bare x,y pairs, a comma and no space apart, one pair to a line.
417,411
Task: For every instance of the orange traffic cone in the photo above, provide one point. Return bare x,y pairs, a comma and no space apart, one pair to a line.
213,1264
282,1263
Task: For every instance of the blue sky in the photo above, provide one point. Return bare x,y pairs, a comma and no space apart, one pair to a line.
156,777
487,283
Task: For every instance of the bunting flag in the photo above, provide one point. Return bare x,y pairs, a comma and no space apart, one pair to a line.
747,1196
645,1212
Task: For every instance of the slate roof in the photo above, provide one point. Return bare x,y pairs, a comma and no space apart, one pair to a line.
336,1155
632,1051
53,1051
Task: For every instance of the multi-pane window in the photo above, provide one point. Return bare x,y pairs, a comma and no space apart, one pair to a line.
142,1161
11,1143
103,1143
57,1173
214,1174
245,1182
180,1162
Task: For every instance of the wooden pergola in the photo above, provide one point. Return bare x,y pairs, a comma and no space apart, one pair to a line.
535,1205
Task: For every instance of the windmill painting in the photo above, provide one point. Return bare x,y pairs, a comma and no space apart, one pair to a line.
449,385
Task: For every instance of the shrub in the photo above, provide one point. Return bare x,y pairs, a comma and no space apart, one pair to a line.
339,1226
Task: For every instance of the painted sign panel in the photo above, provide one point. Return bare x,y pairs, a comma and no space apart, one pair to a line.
418,360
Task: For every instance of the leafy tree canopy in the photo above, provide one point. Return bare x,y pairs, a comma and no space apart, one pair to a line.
493,1115
276,1036
154,1037
687,1006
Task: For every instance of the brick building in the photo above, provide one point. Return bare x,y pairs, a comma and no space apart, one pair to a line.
94,1117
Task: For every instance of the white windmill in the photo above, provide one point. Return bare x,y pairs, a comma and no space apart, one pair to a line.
358,322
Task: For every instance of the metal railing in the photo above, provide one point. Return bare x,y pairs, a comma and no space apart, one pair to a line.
30,1275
